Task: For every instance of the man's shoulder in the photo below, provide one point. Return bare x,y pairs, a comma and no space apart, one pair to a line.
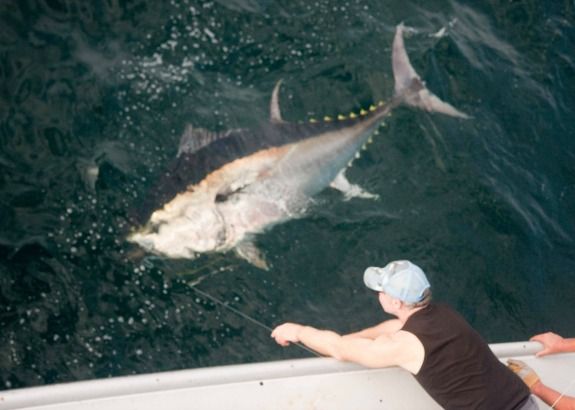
433,316
408,351
440,308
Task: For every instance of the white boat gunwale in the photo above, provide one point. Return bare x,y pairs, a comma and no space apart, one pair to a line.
208,385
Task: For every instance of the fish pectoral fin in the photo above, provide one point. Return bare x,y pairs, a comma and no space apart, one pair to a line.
350,190
275,113
236,186
227,192
248,251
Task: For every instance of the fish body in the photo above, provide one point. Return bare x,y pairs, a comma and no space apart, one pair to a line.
226,187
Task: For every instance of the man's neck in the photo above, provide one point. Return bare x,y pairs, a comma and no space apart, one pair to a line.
404,313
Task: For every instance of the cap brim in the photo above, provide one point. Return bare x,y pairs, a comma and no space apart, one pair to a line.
372,278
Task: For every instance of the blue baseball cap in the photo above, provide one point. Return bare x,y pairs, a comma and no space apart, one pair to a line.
400,279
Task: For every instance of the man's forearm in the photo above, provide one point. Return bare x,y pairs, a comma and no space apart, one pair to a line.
568,345
325,342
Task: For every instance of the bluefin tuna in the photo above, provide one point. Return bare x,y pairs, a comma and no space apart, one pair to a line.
224,188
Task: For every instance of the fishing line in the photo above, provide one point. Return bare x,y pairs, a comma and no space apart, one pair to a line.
249,318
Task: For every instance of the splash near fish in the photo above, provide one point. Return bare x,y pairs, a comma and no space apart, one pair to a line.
224,188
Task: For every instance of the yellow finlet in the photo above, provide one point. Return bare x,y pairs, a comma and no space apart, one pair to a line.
352,115
363,112
327,119
372,108
341,117
312,120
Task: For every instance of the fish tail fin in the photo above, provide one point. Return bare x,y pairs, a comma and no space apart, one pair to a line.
410,87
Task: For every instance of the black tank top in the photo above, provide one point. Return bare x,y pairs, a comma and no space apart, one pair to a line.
459,370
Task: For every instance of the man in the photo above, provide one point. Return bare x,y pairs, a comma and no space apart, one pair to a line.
447,357
552,343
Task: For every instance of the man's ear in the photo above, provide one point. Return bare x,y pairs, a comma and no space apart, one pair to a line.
397,303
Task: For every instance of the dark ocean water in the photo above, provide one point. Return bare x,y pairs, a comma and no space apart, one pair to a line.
94,97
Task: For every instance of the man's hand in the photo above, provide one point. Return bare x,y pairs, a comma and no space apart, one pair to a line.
287,333
552,343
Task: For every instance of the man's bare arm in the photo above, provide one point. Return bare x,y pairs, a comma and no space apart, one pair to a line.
384,328
400,349
552,397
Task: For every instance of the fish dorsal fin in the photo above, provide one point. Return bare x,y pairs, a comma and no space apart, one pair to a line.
194,139
275,113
